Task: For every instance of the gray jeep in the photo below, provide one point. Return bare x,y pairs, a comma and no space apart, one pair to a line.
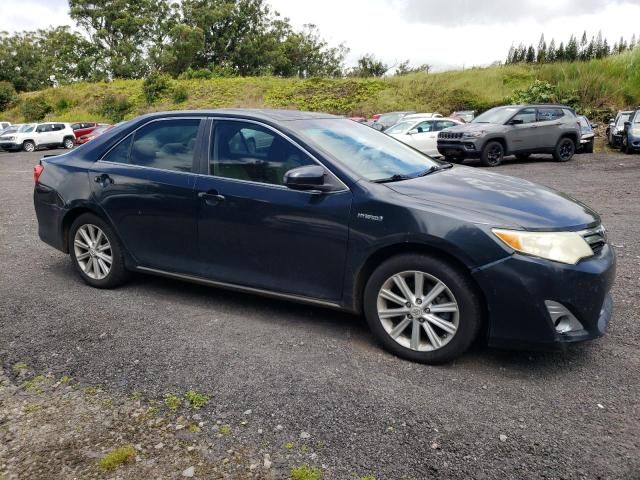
518,130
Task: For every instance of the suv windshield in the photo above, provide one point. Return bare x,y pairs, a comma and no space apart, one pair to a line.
27,128
399,127
365,151
496,115
637,118
624,117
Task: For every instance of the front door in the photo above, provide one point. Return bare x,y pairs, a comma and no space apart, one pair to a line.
145,185
522,134
254,231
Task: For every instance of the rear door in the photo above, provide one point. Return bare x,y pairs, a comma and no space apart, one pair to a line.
549,120
145,185
256,232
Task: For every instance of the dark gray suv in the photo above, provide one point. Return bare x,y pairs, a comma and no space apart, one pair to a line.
518,130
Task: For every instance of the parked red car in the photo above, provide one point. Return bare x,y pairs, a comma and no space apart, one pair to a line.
83,128
96,132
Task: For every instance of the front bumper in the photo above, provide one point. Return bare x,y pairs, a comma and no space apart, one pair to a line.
10,146
517,287
459,149
634,141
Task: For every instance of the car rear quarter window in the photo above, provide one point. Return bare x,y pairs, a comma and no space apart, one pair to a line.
250,152
165,144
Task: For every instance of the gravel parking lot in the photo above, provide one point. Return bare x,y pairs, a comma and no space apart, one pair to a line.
319,389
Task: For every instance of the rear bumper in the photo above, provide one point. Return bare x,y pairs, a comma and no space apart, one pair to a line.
50,214
458,149
516,290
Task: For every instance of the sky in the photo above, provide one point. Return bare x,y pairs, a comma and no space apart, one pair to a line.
447,34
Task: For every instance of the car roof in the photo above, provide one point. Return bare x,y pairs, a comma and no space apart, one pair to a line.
274,115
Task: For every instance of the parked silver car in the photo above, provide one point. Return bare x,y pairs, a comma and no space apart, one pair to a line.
518,130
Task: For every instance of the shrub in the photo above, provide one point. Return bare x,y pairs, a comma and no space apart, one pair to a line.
62,105
154,86
7,95
35,109
117,457
114,107
180,94
305,472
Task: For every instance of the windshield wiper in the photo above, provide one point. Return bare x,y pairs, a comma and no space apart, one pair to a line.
393,178
397,177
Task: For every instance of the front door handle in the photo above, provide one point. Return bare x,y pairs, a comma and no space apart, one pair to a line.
211,197
103,180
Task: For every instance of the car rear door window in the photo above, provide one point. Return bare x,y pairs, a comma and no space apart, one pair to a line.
548,114
247,151
442,124
165,144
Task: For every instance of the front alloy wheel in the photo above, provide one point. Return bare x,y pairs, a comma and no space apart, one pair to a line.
422,308
93,251
418,311
68,143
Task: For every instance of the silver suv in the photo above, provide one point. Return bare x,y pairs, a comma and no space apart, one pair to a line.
518,130
31,136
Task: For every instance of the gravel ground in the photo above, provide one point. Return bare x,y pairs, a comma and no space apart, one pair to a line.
320,390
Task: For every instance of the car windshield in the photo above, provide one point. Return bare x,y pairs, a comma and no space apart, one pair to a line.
27,128
368,153
400,127
584,123
624,117
637,119
496,115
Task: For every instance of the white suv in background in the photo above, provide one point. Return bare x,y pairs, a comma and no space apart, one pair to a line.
32,136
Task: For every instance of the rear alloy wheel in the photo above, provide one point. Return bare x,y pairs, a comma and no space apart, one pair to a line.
422,309
96,253
492,154
68,143
564,150
28,146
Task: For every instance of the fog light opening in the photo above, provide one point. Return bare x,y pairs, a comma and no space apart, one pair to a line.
563,320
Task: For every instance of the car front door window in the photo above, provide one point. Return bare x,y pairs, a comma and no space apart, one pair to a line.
245,151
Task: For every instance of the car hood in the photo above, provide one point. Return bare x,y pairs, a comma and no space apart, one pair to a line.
509,201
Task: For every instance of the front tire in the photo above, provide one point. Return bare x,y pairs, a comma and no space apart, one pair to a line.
492,154
565,149
422,309
96,252
28,146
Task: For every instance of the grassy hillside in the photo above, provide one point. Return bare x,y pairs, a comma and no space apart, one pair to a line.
598,86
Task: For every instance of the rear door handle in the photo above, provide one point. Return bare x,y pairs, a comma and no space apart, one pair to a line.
211,197
103,180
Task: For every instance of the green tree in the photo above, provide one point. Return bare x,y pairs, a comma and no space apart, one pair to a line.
35,109
531,55
369,66
571,52
552,51
560,53
123,30
541,55
7,95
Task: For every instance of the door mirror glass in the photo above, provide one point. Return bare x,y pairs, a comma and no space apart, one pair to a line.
309,177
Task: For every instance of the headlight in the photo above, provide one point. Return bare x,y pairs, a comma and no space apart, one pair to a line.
8,138
472,134
635,131
565,247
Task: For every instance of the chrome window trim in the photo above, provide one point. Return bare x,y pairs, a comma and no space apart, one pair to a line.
102,160
281,134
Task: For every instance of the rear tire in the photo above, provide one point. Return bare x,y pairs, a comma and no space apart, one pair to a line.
565,149
624,145
458,303
69,143
96,252
492,154
29,146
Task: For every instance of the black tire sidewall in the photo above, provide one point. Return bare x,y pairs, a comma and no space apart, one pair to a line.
24,146
485,153
556,153
463,289
118,273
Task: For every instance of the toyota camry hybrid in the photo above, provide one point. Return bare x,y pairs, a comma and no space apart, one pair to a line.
316,208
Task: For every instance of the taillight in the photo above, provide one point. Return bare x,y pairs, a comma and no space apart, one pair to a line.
37,171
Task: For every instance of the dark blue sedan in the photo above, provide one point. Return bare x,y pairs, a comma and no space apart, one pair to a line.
319,209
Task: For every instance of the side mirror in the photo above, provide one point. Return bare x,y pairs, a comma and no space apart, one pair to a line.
612,120
413,131
516,121
309,177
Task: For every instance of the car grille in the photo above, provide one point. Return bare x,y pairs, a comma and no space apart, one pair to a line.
596,238
449,135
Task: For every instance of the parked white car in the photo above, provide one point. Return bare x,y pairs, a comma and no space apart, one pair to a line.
32,136
421,133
